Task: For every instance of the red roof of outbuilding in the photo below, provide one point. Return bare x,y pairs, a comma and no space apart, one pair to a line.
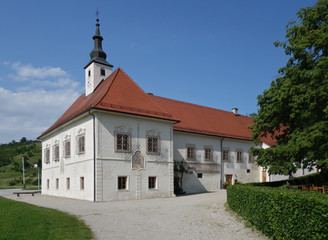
119,93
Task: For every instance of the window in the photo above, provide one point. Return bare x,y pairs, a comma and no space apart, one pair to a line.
67,149
226,154
57,183
82,183
122,183
250,157
190,152
89,73
199,175
56,152
81,144
248,170
48,183
122,142
67,183
239,156
152,145
102,71
208,154
152,183
47,155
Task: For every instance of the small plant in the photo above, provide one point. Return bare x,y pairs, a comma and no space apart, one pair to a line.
225,184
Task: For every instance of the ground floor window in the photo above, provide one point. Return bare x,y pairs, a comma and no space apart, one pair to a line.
122,183
67,183
82,183
48,183
152,182
57,183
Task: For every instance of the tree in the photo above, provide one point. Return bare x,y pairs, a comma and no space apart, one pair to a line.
294,110
179,169
23,140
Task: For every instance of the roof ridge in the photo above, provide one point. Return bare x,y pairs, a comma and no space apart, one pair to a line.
117,71
170,99
148,95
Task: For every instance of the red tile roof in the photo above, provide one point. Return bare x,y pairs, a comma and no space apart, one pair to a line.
120,93
206,120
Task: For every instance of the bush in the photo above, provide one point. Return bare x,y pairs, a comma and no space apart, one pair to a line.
281,213
318,179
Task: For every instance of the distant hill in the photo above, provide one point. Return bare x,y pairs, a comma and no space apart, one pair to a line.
11,155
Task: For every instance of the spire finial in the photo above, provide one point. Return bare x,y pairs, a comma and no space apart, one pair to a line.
97,14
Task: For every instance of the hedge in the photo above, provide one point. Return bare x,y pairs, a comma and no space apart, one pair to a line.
280,213
317,179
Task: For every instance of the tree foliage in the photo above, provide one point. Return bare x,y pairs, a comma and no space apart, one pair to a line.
295,108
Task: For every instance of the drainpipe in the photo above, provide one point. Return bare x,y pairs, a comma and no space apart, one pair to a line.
222,166
94,155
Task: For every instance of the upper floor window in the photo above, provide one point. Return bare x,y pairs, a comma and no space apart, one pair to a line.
239,156
102,71
190,152
152,145
56,152
226,155
47,155
208,154
67,149
250,157
122,142
89,73
80,144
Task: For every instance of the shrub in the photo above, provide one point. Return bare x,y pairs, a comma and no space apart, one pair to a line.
281,213
317,179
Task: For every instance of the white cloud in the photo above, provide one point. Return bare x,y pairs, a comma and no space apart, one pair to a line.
26,72
35,104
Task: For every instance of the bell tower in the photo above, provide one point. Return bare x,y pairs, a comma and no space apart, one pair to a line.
98,68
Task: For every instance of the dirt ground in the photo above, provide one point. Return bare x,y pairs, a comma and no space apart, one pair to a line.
199,216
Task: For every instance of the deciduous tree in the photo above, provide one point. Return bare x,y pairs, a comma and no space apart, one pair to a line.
295,108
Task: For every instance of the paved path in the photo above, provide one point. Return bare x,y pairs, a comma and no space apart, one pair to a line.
200,216
5,192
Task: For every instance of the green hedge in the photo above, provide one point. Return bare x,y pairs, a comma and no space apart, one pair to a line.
318,179
281,213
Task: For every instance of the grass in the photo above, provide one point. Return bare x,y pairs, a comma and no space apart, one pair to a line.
25,221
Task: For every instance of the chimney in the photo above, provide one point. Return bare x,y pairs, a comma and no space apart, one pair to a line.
235,111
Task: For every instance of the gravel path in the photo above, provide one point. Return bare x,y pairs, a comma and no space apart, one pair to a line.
200,216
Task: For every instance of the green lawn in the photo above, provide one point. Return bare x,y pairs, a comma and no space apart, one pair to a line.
25,221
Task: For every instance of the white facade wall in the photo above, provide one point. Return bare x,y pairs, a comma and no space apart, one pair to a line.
210,180
245,170
73,167
112,164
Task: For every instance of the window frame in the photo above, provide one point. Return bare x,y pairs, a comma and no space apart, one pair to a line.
157,152
152,182
47,155
78,145
117,134
102,71
193,148
82,185
251,158
120,184
210,159
239,156
56,154
68,183
65,148
226,152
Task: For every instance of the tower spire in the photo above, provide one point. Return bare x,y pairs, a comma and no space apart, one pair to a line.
97,54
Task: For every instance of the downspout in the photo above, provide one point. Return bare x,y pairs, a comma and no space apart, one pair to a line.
222,165
94,155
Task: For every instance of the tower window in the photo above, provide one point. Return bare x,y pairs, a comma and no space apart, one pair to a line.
89,73
102,71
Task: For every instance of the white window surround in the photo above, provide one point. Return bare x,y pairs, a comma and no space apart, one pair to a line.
190,152
208,154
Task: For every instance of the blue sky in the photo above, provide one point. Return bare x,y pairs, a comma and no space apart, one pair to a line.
214,53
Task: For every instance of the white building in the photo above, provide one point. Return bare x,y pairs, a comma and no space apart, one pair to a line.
117,142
